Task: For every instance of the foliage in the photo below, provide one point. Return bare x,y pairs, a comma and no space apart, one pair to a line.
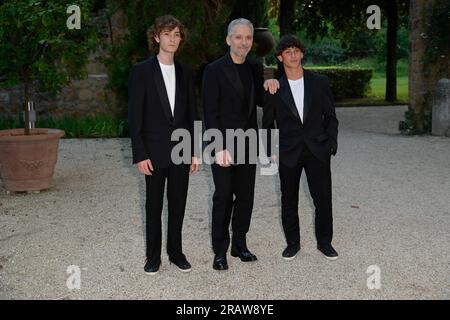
204,20
347,82
326,50
37,47
98,126
254,10
408,126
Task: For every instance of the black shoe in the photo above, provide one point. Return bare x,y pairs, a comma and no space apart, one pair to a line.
220,262
181,263
152,268
245,255
290,252
328,251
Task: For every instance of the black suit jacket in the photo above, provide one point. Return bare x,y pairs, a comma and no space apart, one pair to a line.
223,96
319,129
150,118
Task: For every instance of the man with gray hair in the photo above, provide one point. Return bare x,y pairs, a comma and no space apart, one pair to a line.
232,87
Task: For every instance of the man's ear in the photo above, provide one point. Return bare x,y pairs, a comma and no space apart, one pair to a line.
227,39
280,58
157,39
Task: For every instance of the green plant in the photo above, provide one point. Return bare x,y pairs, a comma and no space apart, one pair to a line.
37,49
205,22
97,126
346,82
408,126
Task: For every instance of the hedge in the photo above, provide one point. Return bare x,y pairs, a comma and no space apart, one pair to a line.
346,82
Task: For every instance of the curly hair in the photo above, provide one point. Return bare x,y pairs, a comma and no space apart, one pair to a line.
289,41
163,23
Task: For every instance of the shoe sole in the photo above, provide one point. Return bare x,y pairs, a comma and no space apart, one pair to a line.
185,270
237,256
220,269
289,258
327,257
151,273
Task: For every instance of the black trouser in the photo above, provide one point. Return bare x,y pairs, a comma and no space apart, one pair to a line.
318,174
177,185
237,180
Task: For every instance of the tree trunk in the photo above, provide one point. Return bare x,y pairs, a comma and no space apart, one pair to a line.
391,56
287,16
422,78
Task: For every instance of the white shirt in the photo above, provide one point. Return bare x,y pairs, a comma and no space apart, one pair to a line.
298,91
168,73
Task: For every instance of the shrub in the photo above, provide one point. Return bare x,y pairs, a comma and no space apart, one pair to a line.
347,82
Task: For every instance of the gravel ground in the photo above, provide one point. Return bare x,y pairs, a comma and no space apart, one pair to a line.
391,209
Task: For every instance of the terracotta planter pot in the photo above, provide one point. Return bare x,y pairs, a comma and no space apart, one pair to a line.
27,162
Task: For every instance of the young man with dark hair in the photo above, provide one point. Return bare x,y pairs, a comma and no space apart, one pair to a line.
304,112
161,100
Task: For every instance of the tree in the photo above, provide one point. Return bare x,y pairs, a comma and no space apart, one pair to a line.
254,10
429,60
346,18
38,51
205,21
287,16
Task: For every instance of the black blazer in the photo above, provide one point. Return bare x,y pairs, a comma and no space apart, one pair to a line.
223,95
319,129
150,119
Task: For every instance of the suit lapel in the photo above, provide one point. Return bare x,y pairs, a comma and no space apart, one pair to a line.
178,87
161,88
307,94
251,100
287,97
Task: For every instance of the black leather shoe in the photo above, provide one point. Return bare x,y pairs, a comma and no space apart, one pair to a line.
328,251
182,263
245,255
152,268
220,262
290,252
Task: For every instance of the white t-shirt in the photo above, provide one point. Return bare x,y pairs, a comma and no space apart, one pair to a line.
298,91
168,73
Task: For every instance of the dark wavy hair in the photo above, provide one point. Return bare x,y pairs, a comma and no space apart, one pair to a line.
164,23
289,41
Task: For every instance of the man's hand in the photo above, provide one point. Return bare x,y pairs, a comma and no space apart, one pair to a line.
195,166
145,167
274,158
272,85
223,158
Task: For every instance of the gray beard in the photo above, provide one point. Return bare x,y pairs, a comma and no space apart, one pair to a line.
237,53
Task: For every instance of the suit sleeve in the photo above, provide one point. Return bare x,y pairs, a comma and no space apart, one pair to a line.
330,119
192,109
268,120
259,93
210,100
136,95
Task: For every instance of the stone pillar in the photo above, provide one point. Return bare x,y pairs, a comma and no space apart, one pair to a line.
441,109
